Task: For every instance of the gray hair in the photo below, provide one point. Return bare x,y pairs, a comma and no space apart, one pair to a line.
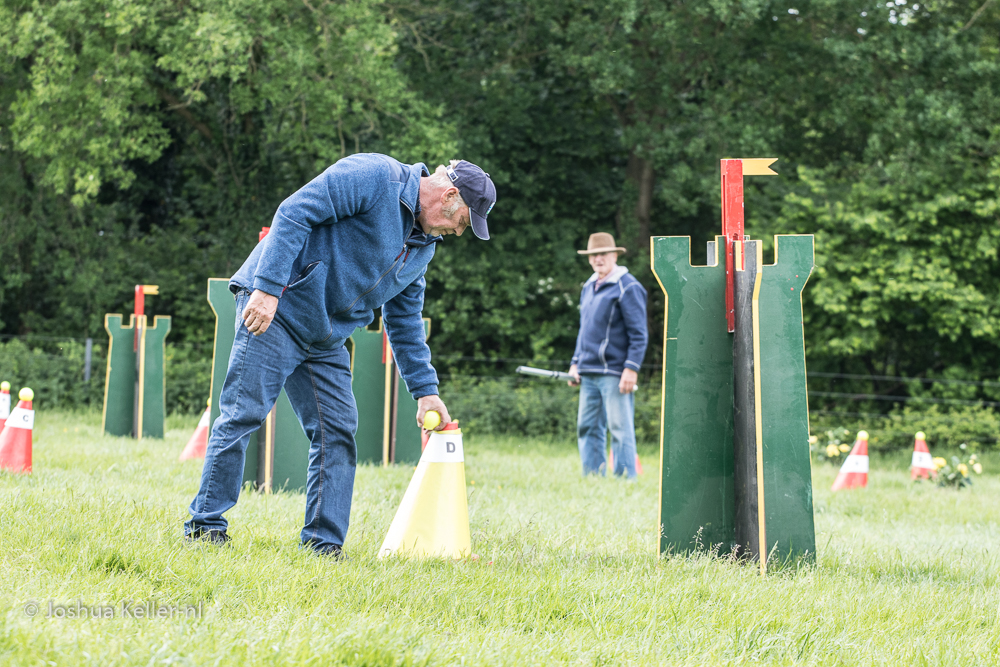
440,178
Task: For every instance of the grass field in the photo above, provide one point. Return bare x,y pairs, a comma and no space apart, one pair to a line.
568,574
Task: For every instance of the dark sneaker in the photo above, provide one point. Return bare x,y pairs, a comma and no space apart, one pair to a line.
334,551
210,536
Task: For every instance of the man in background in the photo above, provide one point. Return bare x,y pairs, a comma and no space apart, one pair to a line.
609,351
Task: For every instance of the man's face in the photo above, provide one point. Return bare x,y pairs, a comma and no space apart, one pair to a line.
603,263
442,217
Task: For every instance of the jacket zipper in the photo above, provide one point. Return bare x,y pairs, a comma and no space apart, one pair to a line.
391,266
413,223
403,264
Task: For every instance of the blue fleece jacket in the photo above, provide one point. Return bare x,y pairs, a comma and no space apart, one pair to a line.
344,244
612,325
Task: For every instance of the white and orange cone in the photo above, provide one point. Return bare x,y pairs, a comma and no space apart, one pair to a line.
195,449
611,462
433,517
921,465
4,403
15,441
854,472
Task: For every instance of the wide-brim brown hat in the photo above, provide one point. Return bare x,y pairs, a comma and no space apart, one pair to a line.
600,242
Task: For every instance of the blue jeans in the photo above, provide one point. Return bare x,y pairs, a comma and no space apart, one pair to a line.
318,384
601,407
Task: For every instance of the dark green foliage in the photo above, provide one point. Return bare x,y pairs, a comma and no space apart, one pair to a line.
976,427
54,371
533,408
189,378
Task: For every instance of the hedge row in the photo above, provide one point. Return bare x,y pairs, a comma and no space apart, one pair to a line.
502,405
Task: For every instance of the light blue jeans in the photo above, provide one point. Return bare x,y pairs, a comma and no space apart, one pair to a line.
603,407
318,383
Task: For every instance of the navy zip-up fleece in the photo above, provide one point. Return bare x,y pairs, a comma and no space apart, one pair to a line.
344,244
612,325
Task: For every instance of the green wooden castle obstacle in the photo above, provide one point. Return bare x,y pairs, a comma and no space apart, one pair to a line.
278,454
134,387
735,418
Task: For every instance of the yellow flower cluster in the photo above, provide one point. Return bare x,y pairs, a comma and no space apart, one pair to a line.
939,463
832,451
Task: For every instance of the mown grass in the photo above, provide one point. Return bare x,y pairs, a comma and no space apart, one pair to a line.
567,570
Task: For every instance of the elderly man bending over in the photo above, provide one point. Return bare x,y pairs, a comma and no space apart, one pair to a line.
357,237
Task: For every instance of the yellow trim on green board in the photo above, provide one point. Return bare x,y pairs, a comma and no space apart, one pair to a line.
663,388
141,378
758,419
269,426
215,339
387,406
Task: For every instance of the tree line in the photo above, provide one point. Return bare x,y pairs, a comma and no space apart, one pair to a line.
149,142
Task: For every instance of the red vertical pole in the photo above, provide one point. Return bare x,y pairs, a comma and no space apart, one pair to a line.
140,310
732,225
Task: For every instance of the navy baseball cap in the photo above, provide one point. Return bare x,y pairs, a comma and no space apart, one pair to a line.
477,191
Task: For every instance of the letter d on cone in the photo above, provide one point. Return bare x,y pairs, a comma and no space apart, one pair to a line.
433,519
15,441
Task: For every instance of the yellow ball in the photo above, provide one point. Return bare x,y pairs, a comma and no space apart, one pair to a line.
862,435
431,420
4,386
26,394
920,435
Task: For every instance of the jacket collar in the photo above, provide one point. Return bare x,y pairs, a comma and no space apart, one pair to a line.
409,194
612,278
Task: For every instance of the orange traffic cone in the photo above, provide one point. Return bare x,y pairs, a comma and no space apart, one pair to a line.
15,441
854,472
921,465
611,462
195,449
4,403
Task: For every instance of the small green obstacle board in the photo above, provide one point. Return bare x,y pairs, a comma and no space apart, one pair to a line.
134,388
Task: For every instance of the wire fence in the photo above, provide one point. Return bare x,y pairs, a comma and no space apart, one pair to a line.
68,371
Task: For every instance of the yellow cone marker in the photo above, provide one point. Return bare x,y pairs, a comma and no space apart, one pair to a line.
433,518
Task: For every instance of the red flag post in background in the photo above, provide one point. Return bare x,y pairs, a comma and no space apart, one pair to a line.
733,172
